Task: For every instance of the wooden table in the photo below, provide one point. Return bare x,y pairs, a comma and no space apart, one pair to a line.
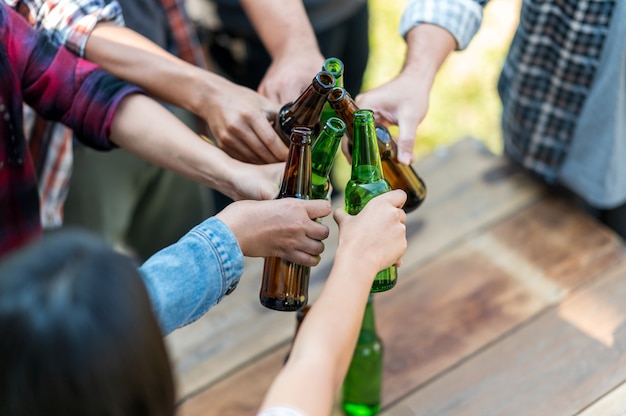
509,302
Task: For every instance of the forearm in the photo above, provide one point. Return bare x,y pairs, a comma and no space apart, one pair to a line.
288,31
321,350
136,59
428,46
147,129
191,276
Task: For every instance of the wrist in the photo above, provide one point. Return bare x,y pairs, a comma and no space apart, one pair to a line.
428,46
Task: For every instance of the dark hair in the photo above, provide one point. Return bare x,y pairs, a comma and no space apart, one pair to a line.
77,333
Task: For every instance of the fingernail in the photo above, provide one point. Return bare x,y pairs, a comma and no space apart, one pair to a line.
404,158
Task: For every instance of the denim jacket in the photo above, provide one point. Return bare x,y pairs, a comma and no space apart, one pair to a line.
186,279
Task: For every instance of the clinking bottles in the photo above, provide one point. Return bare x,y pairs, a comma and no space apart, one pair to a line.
285,284
398,175
323,153
361,388
306,110
367,181
335,67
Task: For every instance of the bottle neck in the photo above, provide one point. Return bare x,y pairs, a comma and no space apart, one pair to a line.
297,175
368,332
365,152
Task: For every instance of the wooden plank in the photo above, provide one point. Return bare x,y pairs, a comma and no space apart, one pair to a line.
470,296
468,189
612,404
557,364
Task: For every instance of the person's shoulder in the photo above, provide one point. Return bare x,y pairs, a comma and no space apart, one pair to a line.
280,411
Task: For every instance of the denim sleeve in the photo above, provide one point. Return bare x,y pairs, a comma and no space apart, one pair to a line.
189,277
462,18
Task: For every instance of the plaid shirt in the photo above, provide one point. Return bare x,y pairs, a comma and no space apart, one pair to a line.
69,23
58,86
547,73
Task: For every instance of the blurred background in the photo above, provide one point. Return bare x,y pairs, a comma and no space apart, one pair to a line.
464,100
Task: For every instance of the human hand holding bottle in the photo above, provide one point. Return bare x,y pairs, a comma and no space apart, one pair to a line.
377,234
240,122
404,100
282,228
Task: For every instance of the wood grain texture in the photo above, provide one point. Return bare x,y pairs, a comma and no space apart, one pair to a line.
556,364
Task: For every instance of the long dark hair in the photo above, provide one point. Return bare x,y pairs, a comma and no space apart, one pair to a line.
77,334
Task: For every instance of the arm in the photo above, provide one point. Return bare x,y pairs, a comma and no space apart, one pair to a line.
290,40
431,34
239,118
103,110
189,277
322,351
147,129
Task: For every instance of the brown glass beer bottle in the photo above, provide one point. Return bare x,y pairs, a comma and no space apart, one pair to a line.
306,110
285,284
398,175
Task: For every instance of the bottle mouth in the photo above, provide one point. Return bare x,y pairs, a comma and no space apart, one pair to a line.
334,66
325,79
336,94
336,124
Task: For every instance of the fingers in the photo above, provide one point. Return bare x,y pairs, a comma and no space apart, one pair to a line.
317,208
396,197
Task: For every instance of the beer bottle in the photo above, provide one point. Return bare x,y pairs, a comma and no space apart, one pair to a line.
323,153
307,109
335,67
361,388
398,175
285,285
300,315
367,181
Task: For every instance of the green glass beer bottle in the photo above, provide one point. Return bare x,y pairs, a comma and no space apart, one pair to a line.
335,67
306,110
367,181
361,388
398,175
323,153
285,285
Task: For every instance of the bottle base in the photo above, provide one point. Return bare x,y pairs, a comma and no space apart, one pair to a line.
283,305
358,409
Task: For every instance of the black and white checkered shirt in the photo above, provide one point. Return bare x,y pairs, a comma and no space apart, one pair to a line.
547,74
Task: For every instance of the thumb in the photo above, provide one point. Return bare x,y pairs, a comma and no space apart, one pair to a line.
397,197
317,208
339,215
407,130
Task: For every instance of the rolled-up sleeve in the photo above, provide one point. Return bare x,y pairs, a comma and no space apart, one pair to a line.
462,18
189,277
70,22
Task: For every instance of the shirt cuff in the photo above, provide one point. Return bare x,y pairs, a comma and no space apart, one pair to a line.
82,27
462,18
186,279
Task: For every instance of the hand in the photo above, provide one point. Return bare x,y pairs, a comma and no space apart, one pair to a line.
287,78
282,228
377,234
403,102
241,123
256,182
